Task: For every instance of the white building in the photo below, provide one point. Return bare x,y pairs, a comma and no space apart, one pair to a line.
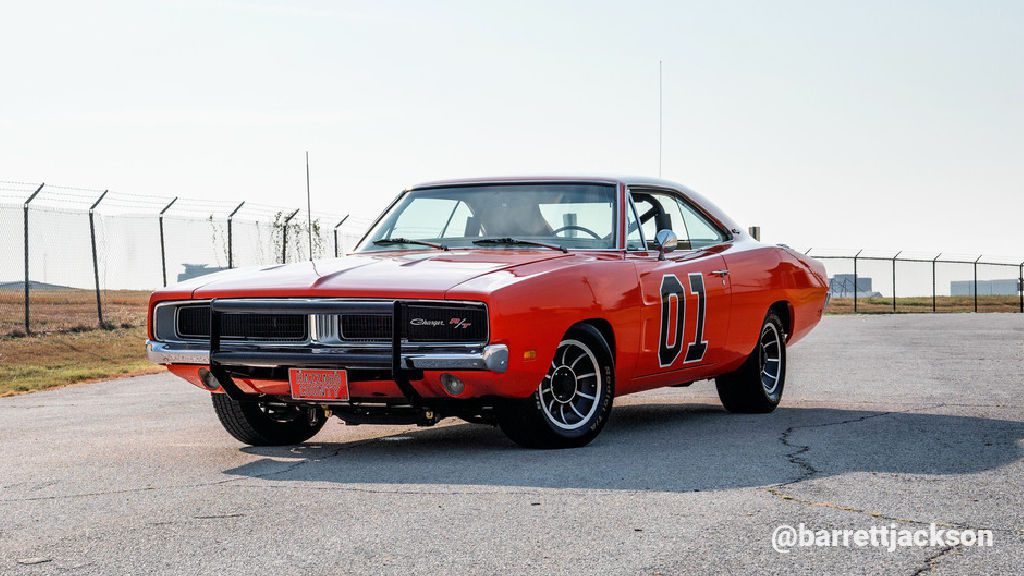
985,287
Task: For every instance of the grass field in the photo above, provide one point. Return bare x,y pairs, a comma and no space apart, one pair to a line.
51,360
924,305
70,310
66,348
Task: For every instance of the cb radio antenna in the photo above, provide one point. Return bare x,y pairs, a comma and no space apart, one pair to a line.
309,213
660,107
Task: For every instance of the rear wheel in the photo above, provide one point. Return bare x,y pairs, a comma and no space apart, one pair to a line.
259,424
756,388
572,402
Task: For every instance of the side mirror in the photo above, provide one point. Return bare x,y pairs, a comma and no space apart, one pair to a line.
666,241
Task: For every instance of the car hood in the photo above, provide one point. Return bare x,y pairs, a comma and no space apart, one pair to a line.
379,275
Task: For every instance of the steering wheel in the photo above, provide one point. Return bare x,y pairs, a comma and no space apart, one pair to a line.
593,234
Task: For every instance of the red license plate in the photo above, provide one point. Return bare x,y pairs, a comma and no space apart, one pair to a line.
318,384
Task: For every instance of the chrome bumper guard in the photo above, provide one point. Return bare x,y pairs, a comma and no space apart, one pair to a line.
493,358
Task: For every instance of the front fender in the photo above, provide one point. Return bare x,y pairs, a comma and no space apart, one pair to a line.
532,309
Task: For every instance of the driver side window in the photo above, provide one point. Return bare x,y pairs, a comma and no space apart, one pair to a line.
660,211
699,231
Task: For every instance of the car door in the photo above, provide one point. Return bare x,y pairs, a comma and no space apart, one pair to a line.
685,296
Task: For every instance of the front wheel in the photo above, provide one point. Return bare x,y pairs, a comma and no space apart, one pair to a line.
574,399
756,388
258,424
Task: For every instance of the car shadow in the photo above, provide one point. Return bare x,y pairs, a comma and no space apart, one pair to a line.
660,447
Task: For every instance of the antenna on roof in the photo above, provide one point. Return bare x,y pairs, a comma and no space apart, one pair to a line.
660,100
309,213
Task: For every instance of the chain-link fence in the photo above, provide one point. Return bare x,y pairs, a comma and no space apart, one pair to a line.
866,281
77,258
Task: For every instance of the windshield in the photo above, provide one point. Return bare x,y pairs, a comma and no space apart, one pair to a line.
575,216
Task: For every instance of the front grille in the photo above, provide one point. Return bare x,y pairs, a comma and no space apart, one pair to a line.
194,322
445,323
422,323
454,323
365,327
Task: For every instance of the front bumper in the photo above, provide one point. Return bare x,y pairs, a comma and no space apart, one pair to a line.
492,358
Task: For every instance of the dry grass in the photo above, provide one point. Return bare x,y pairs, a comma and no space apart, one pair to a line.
70,310
924,305
51,360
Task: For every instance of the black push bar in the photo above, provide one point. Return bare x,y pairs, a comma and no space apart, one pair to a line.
219,359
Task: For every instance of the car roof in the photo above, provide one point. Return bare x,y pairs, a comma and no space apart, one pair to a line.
632,181
597,178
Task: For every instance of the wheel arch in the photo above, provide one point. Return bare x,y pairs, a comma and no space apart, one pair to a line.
784,310
604,327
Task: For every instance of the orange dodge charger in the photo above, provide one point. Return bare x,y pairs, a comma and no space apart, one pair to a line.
529,303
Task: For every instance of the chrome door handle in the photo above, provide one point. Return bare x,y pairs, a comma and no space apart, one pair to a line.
720,273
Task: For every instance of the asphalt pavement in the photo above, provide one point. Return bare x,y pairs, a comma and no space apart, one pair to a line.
886,420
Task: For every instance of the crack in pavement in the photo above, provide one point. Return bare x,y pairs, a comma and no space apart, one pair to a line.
794,457
498,491
774,491
932,560
122,491
226,516
834,403
808,471
290,468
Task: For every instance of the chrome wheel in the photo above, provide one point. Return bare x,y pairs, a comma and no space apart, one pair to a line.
570,392
771,358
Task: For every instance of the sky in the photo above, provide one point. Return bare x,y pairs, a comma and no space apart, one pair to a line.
859,124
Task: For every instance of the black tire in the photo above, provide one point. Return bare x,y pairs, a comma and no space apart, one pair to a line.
756,388
541,421
250,423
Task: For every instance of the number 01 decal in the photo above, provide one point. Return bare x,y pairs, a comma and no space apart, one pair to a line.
673,320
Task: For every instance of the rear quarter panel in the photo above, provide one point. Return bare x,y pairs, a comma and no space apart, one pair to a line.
762,276
806,288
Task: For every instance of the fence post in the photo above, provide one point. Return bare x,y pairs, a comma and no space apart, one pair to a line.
336,226
163,253
30,198
284,238
894,280
231,260
933,280
1022,287
976,284
95,260
855,281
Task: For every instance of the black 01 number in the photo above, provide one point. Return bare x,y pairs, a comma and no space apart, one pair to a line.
672,290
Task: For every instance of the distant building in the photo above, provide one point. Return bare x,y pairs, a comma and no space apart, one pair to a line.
985,287
842,286
196,270
33,285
